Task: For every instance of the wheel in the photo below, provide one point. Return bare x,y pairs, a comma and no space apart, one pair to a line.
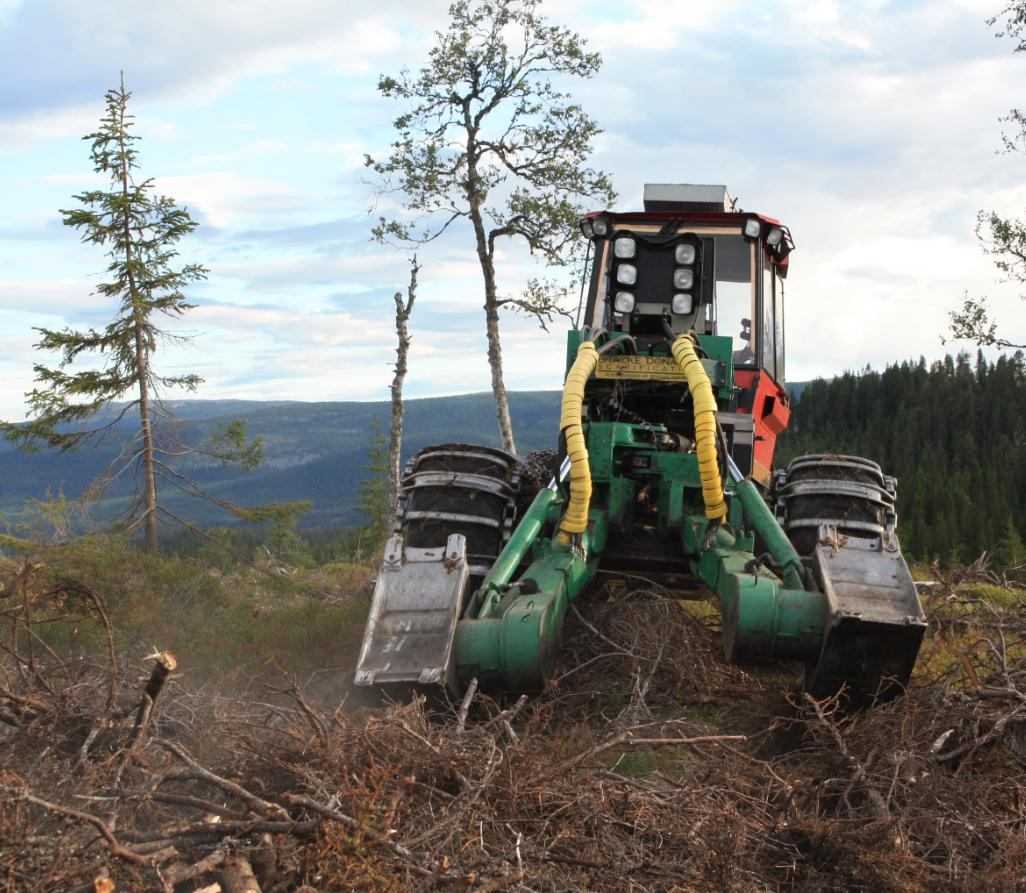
838,512
461,488
849,492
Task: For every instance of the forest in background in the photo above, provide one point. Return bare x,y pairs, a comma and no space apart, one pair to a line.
954,434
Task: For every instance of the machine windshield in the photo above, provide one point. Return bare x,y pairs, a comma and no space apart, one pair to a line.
734,293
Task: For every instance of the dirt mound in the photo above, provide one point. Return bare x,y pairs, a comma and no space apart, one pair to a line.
649,764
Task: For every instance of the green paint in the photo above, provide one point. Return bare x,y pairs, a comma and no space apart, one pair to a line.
510,631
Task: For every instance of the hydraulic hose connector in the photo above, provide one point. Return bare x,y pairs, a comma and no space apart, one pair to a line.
572,427
705,425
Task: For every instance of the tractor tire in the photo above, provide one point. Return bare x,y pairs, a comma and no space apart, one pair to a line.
461,488
849,492
874,623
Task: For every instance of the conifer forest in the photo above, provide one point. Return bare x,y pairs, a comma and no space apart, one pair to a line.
954,434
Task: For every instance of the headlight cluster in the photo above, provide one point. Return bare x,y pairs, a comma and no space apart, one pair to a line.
594,226
684,256
774,236
625,249
625,274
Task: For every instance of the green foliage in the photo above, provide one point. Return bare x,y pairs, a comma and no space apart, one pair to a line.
49,519
280,514
230,444
1010,551
1004,238
375,499
281,540
483,118
954,434
242,621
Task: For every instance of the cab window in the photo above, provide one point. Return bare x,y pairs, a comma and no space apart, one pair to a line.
767,329
778,324
733,276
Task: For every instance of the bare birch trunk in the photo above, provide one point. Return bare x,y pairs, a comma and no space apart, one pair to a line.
491,309
495,363
403,309
486,256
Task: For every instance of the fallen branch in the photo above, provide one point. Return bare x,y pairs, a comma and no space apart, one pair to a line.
461,717
252,800
237,876
116,848
981,740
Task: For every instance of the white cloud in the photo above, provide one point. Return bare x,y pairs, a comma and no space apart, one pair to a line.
869,128
226,198
64,298
56,53
649,25
34,127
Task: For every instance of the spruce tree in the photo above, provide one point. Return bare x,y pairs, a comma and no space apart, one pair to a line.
140,231
1010,552
376,503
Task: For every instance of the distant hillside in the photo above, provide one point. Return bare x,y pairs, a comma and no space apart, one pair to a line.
796,389
315,451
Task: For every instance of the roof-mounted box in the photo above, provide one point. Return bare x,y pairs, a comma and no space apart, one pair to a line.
687,197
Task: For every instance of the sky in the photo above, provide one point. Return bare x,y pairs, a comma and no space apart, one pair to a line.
870,128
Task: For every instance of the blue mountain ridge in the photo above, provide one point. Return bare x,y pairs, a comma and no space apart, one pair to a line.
315,451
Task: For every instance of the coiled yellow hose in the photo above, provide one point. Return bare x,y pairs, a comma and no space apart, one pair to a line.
705,425
571,424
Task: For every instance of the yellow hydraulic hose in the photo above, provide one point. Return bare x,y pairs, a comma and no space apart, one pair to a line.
570,423
705,425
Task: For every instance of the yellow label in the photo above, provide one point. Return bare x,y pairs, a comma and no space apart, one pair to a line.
646,368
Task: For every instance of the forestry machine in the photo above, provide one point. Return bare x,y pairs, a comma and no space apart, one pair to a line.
673,399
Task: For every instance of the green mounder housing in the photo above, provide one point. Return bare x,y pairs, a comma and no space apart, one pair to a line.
673,399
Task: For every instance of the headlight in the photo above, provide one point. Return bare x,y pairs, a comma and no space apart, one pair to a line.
624,247
599,226
627,274
682,303
623,302
752,229
685,254
586,229
774,236
683,278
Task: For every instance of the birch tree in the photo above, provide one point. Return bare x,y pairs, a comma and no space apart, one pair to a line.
403,309
488,138
1003,238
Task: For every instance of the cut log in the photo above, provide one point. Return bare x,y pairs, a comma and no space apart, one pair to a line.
237,876
164,664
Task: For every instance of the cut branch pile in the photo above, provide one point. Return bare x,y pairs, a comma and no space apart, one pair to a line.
650,765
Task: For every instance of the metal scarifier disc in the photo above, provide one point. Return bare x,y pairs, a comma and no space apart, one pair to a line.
461,488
